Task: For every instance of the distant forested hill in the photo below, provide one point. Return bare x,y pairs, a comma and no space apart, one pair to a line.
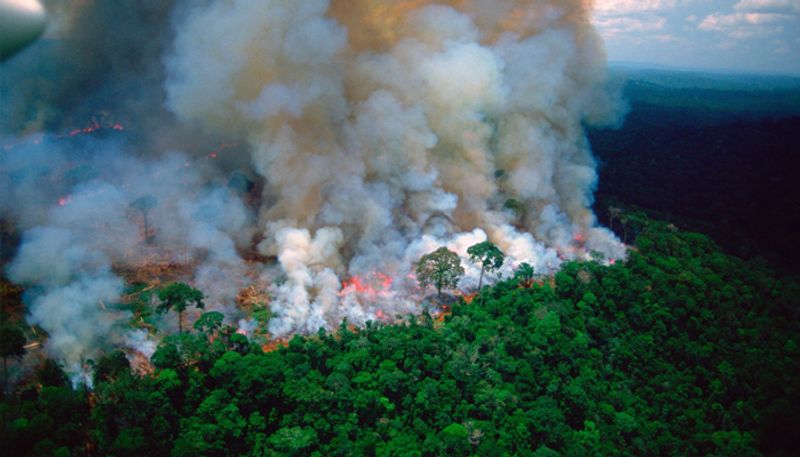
719,154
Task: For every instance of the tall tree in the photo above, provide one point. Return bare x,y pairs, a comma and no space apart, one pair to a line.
209,322
524,274
440,268
179,296
489,256
144,204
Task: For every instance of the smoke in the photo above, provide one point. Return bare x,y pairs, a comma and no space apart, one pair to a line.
372,132
368,119
81,240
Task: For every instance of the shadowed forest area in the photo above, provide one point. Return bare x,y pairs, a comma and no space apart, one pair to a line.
717,154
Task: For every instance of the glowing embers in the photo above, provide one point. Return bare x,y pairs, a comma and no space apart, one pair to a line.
95,126
215,153
274,345
63,201
373,284
373,291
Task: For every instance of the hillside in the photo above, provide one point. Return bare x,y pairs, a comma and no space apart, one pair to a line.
715,154
681,350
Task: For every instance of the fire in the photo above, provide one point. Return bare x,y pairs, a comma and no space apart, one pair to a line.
140,363
373,284
215,153
469,297
274,345
64,200
92,127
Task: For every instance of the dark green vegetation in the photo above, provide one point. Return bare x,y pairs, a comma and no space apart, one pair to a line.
717,154
441,269
178,296
488,256
680,351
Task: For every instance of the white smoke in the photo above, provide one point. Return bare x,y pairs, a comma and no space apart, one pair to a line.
80,239
74,283
375,130
375,152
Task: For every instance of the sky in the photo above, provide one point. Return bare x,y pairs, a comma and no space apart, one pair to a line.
733,35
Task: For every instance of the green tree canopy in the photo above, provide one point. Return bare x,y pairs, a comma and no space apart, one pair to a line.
209,322
111,366
179,296
489,256
524,274
440,268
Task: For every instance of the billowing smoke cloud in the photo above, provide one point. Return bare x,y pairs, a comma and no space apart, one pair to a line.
374,123
83,239
369,133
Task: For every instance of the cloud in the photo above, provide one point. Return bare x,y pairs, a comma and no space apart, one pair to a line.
724,22
768,6
619,25
632,20
632,6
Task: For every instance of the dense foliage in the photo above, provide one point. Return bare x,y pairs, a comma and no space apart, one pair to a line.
441,269
712,154
681,350
179,296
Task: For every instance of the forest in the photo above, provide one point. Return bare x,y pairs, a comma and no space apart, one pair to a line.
688,347
680,350
712,153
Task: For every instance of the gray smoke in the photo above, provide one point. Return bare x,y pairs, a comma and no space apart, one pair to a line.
376,131
449,111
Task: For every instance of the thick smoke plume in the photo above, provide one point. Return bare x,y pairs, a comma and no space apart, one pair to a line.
368,133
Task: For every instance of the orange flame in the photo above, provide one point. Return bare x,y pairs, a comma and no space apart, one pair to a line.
469,297
92,127
373,284
274,345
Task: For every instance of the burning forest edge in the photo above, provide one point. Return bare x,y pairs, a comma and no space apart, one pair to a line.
544,357
357,227
367,135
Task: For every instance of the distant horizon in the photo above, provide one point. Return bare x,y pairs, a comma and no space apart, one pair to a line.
645,65
721,36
